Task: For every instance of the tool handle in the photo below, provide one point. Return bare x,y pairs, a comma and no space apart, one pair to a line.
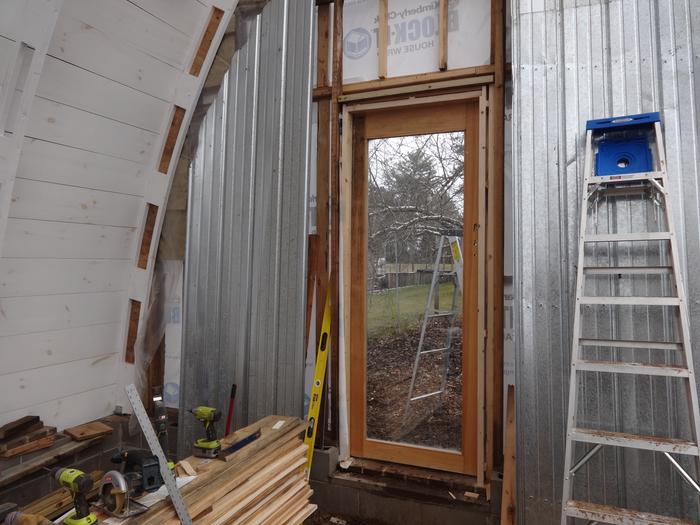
229,417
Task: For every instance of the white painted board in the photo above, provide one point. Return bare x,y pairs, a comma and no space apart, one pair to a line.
413,37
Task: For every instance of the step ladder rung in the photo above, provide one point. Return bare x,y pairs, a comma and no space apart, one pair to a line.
433,350
416,398
622,237
617,179
441,314
623,439
617,516
618,367
639,270
627,343
630,301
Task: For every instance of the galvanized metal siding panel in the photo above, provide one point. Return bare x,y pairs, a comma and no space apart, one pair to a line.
245,275
574,60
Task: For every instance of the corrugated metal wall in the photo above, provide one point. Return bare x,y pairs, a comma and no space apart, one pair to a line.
245,267
574,60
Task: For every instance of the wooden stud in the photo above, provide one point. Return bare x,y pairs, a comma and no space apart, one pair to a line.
508,495
323,178
132,331
383,37
207,38
494,450
147,235
173,132
442,35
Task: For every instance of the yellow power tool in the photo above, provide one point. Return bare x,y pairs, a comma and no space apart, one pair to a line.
79,484
207,447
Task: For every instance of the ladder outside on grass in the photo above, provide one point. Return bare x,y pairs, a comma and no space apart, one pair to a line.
619,163
431,312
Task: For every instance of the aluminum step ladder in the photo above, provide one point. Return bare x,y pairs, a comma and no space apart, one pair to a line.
454,245
620,161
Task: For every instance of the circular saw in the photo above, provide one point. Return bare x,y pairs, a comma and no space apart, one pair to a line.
116,495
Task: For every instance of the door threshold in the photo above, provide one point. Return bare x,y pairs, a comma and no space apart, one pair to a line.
409,481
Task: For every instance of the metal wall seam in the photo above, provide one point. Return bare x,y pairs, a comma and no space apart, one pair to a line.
574,60
245,268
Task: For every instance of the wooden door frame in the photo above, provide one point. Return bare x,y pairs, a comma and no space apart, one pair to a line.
355,224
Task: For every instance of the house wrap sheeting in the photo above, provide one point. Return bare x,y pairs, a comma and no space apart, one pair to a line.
575,60
245,267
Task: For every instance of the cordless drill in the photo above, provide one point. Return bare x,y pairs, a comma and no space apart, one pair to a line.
79,484
207,447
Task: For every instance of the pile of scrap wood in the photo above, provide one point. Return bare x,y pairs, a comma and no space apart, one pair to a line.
24,435
262,483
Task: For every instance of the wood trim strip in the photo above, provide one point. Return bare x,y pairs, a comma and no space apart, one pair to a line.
442,35
147,235
132,330
207,38
382,38
169,146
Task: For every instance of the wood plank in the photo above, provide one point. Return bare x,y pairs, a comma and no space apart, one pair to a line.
44,239
303,514
383,37
24,315
57,202
169,145
312,269
442,36
508,496
123,21
31,446
73,127
25,389
132,330
25,438
50,457
205,43
186,16
19,426
147,235
76,167
29,277
87,47
74,86
89,431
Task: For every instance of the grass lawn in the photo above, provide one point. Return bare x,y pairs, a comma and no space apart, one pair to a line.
382,311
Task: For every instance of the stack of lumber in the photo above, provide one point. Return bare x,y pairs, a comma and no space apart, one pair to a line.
25,435
263,483
60,501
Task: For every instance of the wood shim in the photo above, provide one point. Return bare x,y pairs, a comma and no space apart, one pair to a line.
260,484
147,235
173,132
207,38
132,330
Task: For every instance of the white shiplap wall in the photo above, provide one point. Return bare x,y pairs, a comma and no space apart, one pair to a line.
93,138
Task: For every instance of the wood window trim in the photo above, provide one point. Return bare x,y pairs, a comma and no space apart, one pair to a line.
354,192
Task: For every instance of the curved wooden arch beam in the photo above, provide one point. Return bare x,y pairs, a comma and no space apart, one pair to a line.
26,27
159,179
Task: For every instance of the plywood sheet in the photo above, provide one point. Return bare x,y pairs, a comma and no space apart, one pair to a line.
88,431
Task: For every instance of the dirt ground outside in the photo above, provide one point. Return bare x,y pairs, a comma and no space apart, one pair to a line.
391,351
